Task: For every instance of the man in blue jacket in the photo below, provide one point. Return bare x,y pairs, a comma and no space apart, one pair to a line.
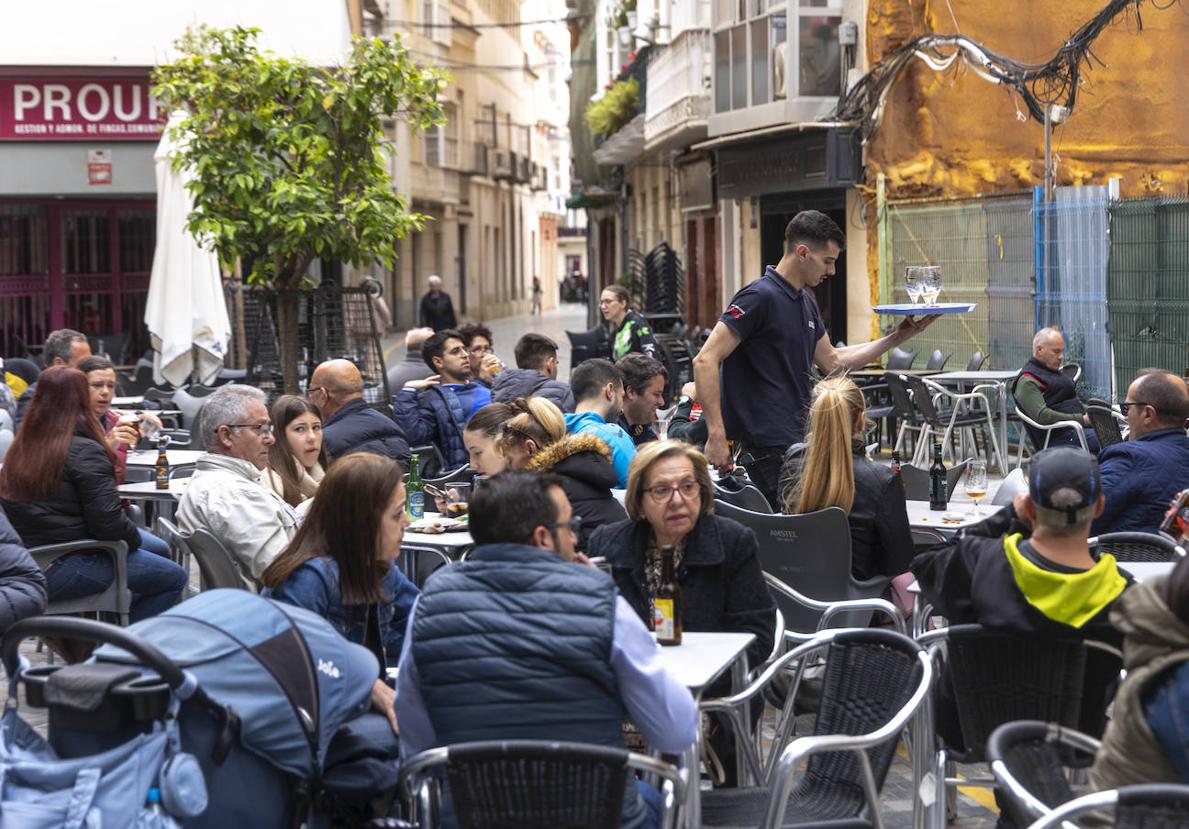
348,423
598,392
436,410
1141,476
525,640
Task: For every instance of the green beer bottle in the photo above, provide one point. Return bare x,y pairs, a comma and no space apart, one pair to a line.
415,491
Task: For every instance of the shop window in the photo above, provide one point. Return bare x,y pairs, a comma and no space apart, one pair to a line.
23,240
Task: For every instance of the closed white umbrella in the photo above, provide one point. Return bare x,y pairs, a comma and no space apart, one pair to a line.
185,312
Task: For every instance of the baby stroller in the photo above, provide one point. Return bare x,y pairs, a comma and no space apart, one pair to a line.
228,694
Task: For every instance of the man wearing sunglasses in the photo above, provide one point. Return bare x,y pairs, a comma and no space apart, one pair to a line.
522,641
225,496
1141,476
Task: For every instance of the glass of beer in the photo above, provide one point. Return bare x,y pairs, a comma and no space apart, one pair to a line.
976,483
457,497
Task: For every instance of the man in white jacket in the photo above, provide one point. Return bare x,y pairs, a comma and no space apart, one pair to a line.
226,496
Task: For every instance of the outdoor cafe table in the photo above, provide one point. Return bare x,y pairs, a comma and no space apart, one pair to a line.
177,457
452,544
878,373
165,499
999,379
698,661
922,518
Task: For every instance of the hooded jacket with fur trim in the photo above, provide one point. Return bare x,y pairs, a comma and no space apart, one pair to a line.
583,462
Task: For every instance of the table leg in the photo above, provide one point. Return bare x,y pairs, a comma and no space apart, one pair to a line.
738,683
1002,428
693,792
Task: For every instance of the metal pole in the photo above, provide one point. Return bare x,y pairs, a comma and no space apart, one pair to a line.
1048,155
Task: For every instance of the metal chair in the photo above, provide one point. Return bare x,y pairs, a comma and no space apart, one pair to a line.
139,382
533,784
216,566
430,459
1073,371
1138,547
178,543
1143,806
963,416
997,677
463,473
809,553
1032,762
1014,484
910,419
1034,430
585,345
189,405
159,395
874,682
117,598
899,358
937,360
420,562
1105,422
916,480
976,361
746,496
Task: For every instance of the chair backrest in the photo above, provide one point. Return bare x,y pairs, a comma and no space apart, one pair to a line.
422,562
116,598
901,399
199,390
1102,419
216,565
1141,806
189,406
937,360
586,345
999,677
1138,547
1029,759
869,677
976,361
922,399
1014,484
810,553
429,458
463,473
1072,370
900,358
747,496
916,480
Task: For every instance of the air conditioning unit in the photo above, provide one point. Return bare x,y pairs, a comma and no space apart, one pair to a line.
502,164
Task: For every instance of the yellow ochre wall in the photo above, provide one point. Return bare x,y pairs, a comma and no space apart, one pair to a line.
955,134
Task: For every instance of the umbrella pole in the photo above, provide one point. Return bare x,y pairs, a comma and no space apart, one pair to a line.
241,334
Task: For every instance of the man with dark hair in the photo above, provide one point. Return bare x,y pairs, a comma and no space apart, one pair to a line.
348,423
484,364
765,346
1141,475
643,393
64,347
436,410
598,394
535,374
482,658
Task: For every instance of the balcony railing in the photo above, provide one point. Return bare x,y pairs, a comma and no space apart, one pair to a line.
679,78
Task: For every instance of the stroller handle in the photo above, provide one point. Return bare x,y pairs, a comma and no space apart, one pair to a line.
93,631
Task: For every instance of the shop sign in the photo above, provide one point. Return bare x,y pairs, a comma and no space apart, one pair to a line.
78,109
98,167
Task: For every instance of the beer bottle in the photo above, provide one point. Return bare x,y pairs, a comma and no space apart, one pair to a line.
668,602
896,469
162,467
415,491
937,480
1176,520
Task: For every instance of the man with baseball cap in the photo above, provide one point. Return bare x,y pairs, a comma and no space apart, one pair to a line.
1028,568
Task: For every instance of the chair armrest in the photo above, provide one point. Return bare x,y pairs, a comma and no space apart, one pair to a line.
832,609
49,553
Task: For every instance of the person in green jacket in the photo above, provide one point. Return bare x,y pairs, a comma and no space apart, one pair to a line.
630,332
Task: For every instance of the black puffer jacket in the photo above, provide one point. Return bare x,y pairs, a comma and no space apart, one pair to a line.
86,504
722,586
22,584
583,462
528,382
880,536
356,427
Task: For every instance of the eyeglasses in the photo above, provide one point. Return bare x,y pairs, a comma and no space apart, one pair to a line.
573,525
661,493
1123,407
261,429
310,391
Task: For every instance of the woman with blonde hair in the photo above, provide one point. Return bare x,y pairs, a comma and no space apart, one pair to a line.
832,470
535,438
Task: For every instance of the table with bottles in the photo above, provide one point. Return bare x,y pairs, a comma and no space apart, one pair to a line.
948,521
177,457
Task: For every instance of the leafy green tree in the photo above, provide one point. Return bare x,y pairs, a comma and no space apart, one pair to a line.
289,159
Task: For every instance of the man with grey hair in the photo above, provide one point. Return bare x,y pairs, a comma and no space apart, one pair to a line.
225,496
437,309
412,367
64,347
1047,396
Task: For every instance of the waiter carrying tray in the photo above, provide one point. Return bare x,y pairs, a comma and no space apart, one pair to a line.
765,345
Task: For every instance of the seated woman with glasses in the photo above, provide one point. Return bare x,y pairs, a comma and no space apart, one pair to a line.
341,564
534,438
58,485
831,470
670,502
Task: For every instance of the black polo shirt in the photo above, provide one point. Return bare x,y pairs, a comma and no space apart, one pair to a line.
765,381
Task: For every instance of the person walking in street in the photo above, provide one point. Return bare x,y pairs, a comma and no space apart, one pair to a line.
437,309
630,332
766,344
536,309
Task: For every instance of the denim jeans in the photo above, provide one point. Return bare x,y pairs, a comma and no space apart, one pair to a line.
153,543
155,581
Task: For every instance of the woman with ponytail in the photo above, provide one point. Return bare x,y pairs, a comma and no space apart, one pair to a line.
831,470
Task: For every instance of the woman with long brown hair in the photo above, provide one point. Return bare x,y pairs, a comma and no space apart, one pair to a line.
58,484
831,470
297,460
342,562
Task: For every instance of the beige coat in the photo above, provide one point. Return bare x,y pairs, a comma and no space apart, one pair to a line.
310,478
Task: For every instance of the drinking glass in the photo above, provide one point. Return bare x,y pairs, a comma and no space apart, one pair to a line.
976,483
661,424
457,496
931,284
913,283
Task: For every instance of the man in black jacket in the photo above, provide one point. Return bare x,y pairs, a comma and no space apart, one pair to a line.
1045,394
535,374
64,347
644,381
349,424
437,309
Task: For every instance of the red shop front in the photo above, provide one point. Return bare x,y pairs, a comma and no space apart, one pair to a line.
77,205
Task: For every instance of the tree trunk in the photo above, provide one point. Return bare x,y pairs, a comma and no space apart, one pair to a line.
287,314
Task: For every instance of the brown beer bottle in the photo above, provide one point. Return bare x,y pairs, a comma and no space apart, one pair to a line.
162,467
668,602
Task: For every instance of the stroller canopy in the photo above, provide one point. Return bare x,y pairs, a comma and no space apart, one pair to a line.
291,678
